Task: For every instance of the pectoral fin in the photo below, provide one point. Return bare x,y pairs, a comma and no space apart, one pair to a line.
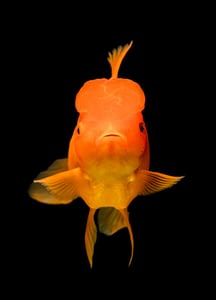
90,235
59,165
148,182
60,188
110,220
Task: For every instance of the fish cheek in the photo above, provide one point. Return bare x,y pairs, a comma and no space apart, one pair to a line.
137,142
84,147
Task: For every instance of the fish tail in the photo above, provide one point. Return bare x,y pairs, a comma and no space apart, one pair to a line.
116,56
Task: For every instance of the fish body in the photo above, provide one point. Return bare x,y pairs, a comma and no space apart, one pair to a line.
108,156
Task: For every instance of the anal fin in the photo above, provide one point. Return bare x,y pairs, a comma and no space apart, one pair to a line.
110,220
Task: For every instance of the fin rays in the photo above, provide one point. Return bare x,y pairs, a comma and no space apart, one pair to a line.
110,220
124,213
116,56
59,188
90,236
148,182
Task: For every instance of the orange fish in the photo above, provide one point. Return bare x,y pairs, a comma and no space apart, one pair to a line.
108,157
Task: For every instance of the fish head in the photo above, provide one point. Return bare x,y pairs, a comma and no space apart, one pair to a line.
110,130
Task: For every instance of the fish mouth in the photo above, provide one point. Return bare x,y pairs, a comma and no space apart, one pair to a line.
111,135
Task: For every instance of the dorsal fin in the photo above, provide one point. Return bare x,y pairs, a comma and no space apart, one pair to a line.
116,56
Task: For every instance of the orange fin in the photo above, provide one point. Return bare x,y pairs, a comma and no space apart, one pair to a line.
116,56
90,236
60,188
110,220
125,214
148,182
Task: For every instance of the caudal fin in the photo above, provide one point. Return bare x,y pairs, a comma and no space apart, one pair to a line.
116,56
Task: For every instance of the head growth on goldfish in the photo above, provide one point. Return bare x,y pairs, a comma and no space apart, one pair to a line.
108,156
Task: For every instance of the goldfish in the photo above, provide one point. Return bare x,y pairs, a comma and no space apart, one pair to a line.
107,163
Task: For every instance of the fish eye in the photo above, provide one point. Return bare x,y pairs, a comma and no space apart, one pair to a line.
78,130
141,127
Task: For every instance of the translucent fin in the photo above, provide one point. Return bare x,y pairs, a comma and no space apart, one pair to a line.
38,192
148,182
110,220
116,56
57,189
90,236
59,165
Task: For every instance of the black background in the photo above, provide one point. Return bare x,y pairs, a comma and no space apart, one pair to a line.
54,54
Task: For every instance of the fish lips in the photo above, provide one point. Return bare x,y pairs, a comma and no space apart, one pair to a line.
111,136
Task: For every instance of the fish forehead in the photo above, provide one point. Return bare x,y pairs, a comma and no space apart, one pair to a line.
115,97
109,118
